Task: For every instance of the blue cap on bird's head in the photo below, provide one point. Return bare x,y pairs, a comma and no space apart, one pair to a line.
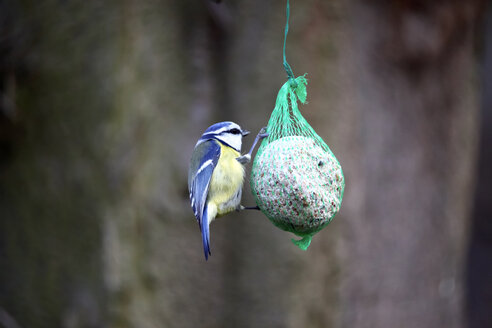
227,132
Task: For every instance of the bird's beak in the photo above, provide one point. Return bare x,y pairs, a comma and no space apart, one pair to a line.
245,133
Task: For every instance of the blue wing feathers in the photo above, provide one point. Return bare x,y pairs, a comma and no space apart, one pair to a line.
204,160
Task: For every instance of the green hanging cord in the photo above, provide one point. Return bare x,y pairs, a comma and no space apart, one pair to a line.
287,67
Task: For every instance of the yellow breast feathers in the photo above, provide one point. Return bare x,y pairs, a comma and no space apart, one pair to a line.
227,182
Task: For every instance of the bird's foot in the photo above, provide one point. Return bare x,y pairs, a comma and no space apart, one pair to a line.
263,133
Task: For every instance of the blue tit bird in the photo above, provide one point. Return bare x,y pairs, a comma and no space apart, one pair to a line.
216,174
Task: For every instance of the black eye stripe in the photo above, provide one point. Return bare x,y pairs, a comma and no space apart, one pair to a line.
231,131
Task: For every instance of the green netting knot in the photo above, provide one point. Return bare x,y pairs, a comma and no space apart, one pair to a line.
300,89
304,242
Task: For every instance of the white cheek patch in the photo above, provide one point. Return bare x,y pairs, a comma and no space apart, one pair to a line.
233,140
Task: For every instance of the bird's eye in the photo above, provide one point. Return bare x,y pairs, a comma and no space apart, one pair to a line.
235,131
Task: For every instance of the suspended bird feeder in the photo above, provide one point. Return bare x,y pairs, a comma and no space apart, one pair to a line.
296,180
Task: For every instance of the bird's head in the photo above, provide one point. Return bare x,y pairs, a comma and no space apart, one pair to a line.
228,133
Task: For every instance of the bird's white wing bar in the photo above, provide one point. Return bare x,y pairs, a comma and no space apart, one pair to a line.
204,166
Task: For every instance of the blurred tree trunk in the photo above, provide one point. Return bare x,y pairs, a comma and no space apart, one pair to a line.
109,99
404,247
480,251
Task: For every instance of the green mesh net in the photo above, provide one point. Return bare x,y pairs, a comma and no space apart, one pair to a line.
296,180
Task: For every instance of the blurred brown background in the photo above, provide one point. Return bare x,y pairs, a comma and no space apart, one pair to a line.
101,104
